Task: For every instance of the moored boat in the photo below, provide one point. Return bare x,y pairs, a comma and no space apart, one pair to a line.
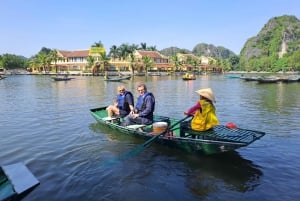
233,76
269,79
117,79
217,140
289,79
252,78
62,78
16,181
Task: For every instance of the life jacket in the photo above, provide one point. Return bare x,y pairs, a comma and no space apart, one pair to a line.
122,103
141,104
205,118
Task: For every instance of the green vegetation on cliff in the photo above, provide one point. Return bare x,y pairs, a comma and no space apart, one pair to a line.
275,48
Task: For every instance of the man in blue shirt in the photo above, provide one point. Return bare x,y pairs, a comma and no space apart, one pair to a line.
143,111
123,104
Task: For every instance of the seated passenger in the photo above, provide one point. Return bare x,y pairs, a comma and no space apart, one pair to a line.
123,104
204,113
143,113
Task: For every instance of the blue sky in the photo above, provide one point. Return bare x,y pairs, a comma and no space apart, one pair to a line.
29,25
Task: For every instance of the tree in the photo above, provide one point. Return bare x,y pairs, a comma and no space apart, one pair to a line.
143,46
234,62
176,62
147,63
132,62
124,51
113,53
104,61
54,57
97,44
90,62
152,48
11,61
42,60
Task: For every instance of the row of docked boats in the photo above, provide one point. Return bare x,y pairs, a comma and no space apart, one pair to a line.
272,78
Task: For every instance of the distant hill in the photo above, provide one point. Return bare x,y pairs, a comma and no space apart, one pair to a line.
201,49
174,50
275,47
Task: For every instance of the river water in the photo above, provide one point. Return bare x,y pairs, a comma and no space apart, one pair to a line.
48,126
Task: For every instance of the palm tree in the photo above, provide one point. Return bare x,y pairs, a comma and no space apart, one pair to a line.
98,44
176,62
113,53
143,46
54,57
41,60
90,62
124,51
152,48
132,62
103,63
147,63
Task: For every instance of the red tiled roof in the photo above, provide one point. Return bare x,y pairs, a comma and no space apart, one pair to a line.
64,53
151,54
76,53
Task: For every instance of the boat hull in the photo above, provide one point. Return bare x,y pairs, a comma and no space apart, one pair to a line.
118,79
62,78
16,181
210,142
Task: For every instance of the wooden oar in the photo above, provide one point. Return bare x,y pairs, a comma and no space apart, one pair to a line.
141,147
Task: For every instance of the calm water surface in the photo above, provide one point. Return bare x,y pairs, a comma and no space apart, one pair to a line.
47,125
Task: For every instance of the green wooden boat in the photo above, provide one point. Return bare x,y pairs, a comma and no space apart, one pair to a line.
16,181
217,140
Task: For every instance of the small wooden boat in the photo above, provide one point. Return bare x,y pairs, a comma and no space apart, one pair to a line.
62,78
290,79
217,140
269,79
233,76
16,181
188,77
252,78
117,79
2,77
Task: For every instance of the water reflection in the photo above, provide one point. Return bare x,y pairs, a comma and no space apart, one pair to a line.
203,175
229,168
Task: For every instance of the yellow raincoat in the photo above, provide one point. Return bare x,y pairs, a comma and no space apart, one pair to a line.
206,119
